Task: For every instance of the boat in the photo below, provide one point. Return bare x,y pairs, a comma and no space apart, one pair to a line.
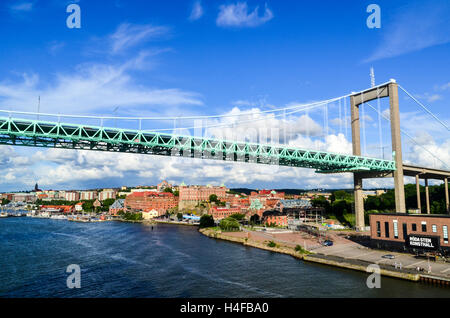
3,215
58,217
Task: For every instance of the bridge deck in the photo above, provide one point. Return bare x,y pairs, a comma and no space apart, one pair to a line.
36,133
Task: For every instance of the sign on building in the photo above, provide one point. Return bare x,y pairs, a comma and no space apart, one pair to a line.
423,242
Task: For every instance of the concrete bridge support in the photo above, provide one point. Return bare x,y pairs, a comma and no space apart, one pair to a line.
427,196
419,205
389,90
447,203
399,186
357,179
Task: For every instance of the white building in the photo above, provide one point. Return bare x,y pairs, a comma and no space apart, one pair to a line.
72,196
150,214
107,194
88,195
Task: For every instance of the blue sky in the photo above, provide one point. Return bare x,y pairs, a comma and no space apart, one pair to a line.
180,58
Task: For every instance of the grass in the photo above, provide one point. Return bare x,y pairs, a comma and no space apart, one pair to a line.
347,219
301,250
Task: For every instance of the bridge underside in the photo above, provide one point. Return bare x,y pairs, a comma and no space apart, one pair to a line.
411,171
35,133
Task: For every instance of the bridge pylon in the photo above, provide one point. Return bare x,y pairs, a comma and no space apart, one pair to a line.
356,99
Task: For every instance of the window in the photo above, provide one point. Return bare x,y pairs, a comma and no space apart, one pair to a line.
395,229
445,230
386,229
405,231
378,229
414,227
424,226
434,228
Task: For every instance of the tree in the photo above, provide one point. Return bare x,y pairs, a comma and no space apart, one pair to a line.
237,216
341,207
342,195
179,216
206,220
88,205
213,198
132,216
5,201
254,218
168,190
229,224
321,202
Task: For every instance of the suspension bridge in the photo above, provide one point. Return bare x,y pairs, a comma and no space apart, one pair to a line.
29,129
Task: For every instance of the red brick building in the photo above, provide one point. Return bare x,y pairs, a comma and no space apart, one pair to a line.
276,219
410,232
219,213
149,200
268,198
192,195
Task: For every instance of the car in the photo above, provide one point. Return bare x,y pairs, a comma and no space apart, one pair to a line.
327,243
388,256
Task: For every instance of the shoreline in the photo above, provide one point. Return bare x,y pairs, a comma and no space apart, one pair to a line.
335,261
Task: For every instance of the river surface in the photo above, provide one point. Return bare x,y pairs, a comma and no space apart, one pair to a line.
134,260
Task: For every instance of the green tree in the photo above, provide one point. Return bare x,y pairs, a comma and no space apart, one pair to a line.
206,220
213,198
179,216
132,216
342,195
341,207
168,190
237,216
255,218
321,202
229,224
88,206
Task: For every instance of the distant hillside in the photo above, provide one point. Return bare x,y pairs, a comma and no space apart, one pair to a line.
287,191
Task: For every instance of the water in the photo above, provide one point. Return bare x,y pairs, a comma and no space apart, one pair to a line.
132,260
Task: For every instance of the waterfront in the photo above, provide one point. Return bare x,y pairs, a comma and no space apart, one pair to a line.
132,260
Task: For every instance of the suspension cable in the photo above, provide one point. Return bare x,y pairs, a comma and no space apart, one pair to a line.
241,122
404,132
424,107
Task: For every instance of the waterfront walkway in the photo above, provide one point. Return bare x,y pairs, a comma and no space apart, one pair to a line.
345,250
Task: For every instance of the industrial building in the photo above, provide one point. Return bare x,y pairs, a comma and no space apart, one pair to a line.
416,233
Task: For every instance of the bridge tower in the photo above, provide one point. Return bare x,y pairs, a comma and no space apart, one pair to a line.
356,99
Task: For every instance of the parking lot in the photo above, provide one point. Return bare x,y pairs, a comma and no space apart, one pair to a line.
352,250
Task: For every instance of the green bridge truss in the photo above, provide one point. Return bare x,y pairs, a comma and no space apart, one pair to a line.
36,133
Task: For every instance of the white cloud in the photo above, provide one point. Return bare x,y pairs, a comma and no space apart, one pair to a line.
90,88
413,29
254,126
22,7
129,35
197,11
436,155
55,46
445,86
429,97
94,87
238,15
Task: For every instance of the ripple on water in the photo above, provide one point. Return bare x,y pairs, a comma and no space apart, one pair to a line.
132,260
